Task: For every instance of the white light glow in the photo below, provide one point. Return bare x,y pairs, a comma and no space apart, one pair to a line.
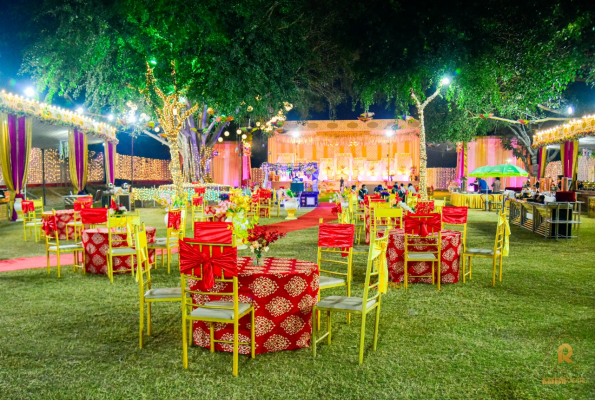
388,132
29,92
226,133
244,136
131,119
110,117
445,81
80,110
295,134
219,139
570,110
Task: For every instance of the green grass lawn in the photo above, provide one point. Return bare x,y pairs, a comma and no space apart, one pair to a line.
77,337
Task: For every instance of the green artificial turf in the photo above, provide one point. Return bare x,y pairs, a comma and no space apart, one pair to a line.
77,337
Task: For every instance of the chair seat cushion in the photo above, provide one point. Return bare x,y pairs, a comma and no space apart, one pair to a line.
36,223
67,247
480,252
126,251
421,256
162,245
74,223
218,313
164,293
326,281
344,303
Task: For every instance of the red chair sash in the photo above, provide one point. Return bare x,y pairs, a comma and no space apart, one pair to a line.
192,259
264,194
113,205
371,197
422,224
337,209
174,219
336,235
81,204
27,206
197,201
49,224
92,216
200,190
454,215
213,232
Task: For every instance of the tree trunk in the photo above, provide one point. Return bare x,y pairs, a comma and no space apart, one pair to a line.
534,162
174,168
423,158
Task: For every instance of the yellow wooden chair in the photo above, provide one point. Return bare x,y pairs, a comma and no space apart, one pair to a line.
53,245
264,203
198,210
119,226
213,312
357,217
32,220
376,269
148,295
77,226
433,241
496,253
386,218
456,217
439,205
170,241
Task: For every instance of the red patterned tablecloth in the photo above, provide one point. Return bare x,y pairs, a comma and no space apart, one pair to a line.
450,254
211,210
95,242
62,218
282,291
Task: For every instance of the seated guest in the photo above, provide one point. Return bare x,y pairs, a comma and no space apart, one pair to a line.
395,189
353,188
483,186
496,186
411,188
362,193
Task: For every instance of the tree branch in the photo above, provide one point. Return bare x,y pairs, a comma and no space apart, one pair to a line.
156,137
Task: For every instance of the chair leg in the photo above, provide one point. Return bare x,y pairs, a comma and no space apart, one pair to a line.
328,325
168,260
236,345
501,255
405,277
362,339
470,268
314,331
58,262
494,271
253,334
47,254
438,277
377,316
212,336
149,320
141,324
184,341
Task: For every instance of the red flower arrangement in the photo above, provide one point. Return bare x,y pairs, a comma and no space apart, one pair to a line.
260,238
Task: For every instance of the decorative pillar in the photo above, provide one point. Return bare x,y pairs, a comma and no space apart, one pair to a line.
110,162
15,148
77,156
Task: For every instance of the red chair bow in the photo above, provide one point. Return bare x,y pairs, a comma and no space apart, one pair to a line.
49,225
422,224
200,190
424,207
264,194
113,205
191,259
27,206
174,219
454,215
197,201
92,216
81,204
337,209
336,235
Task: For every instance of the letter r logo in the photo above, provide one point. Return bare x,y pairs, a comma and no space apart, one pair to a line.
565,357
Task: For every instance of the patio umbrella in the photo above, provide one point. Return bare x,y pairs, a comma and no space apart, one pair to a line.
506,170
481,172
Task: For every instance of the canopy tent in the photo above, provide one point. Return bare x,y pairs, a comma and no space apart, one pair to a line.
569,139
499,171
27,124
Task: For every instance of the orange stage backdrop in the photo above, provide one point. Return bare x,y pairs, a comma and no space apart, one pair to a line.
226,164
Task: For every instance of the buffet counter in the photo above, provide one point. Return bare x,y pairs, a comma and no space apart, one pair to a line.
551,220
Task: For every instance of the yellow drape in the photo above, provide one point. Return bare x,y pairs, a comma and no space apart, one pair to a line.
542,163
378,248
503,220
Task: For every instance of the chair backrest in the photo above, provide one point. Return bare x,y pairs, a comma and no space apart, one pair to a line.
175,222
499,242
94,216
424,207
454,215
335,235
388,217
213,233
439,205
376,262
194,256
143,269
49,224
422,224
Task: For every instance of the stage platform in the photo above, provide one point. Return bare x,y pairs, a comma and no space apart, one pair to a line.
334,185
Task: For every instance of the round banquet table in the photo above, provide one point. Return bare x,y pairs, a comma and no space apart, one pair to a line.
471,200
282,291
95,242
62,218
450,255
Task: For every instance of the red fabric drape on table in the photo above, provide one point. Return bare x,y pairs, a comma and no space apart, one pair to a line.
422,224
200,190
213,232
197,201
336,235
223,260
27,206
80,204
174,219
92,216
49,224
454,215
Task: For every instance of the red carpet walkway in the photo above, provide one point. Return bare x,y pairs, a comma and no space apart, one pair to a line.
309,220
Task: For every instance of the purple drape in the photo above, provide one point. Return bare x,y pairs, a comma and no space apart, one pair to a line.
568,159
539,154
461,165
112,161
18,156
79,153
